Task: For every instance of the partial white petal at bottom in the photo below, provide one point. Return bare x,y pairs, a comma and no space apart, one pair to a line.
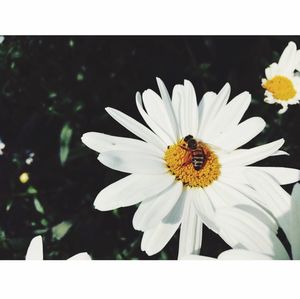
191,229
242,254
35,249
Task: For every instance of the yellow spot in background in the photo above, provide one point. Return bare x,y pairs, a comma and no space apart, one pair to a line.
24,177
281,87
175,157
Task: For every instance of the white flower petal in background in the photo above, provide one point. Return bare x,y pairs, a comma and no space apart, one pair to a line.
282,83
231,254
294,234
242,254
35,251
83,256
2,146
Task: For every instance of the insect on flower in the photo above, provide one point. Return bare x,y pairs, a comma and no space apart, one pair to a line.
196,153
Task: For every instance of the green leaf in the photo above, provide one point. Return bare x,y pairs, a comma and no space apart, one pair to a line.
31,190
65,139
38,206
59,230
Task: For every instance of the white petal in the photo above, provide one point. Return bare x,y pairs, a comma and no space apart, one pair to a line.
231,114
271,71
233,174
220,100
204,208
209,114
249,233
131,190
133,162
184,102
100,143
151,211
155,127
241,134
194,257
250,156
35,249
205,107
273,197
282,175
136,128
280,153
83,256
242,254
156,110
287,61
155,239
294,234
168,107
229,195
191,229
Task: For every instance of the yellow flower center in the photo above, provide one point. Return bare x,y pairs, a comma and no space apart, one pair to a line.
281,87
179,161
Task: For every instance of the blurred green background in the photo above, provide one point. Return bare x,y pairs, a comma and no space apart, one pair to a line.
54,89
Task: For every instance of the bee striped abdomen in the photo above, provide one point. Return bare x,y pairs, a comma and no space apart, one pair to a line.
198,159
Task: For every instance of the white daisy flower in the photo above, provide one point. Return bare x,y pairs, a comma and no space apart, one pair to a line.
174,189
276,247
282,84
35,251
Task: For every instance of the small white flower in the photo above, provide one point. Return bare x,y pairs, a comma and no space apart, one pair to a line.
2,38
29,159
2,146
254,254
282,84
35,251
172,192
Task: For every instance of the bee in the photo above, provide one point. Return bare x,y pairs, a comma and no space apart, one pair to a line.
196,153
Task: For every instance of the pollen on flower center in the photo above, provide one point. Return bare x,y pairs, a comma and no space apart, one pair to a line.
179,162
281,87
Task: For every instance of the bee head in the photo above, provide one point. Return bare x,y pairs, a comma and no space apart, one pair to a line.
187,138
192,143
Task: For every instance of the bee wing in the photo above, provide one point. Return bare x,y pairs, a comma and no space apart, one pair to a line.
216,148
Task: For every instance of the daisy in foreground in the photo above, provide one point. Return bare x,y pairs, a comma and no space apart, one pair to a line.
35,251
189,165
282,84
242,254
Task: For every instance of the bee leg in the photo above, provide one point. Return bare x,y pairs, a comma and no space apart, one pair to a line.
184,147
186,163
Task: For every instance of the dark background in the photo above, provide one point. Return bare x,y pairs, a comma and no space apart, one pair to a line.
54,89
